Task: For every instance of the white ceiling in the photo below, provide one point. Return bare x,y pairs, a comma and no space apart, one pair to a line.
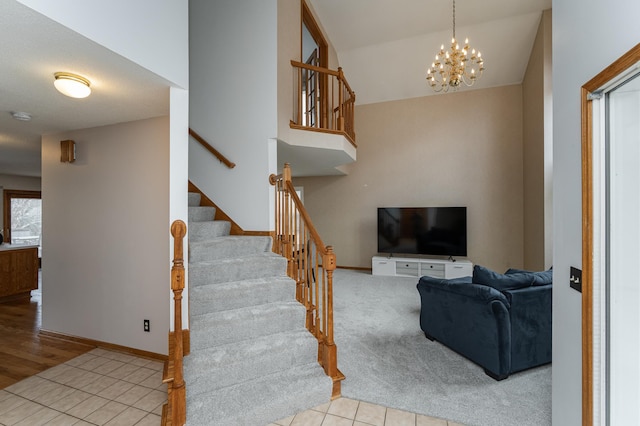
384,47
33,48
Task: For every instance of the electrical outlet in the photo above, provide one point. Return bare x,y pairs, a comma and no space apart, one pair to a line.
147,325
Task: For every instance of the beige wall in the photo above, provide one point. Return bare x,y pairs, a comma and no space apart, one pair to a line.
538,151
106,240
458,149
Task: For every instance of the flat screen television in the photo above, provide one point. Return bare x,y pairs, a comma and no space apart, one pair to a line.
437,231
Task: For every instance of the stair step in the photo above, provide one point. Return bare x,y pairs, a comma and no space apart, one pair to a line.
220,328
231,246
194,199
214,368
201,213
199,231
267,264
261,401
237,294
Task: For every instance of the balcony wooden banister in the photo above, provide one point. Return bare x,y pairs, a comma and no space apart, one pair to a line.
212,150
311,264
324,102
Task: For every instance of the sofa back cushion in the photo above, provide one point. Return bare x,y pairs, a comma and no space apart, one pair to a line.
511,280
539,278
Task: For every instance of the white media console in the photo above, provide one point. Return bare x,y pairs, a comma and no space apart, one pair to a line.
418,267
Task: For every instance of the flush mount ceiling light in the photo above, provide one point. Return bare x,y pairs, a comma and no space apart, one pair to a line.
72,85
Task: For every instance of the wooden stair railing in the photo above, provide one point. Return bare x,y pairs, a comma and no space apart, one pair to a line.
311,264
174,412
224,160
324,101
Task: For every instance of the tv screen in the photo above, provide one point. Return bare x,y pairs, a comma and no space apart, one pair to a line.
440,231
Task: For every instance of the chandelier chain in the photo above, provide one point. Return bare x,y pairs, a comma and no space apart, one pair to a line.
454,18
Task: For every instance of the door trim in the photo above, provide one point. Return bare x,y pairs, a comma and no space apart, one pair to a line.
609,73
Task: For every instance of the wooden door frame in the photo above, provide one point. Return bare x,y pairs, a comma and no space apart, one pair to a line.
8,194
609,73
307,20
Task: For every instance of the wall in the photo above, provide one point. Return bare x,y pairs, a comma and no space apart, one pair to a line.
588,35
105,234
538,152
459,149
161,45
26,183
233,53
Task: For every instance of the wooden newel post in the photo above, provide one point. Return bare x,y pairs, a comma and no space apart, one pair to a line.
178,393
330,356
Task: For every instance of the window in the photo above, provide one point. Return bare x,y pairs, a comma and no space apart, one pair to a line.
22,217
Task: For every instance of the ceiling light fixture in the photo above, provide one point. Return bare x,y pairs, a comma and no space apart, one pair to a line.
455,67
72,85
22,116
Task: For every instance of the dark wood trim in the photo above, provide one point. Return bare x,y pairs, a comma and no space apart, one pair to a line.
620,65
105,345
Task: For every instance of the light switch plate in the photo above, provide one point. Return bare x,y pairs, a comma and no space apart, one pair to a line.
575,278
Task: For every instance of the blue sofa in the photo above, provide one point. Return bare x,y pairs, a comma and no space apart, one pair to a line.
502,322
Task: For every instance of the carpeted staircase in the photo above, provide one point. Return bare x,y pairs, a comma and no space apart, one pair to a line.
252,361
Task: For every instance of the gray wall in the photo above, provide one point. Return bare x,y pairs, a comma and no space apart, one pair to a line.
106,237
588,35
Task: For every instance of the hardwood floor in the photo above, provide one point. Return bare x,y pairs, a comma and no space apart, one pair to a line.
23,352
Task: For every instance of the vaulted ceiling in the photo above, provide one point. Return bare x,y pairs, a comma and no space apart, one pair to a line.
384,47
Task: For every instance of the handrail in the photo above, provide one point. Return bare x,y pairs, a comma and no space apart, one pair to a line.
311,264
324,100
212,150
176,390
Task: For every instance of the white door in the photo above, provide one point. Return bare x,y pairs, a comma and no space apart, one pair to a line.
622,247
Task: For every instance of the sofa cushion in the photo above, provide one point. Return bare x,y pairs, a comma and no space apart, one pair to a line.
539,278
501,282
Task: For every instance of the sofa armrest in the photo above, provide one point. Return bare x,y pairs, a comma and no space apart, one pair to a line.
530,326
471,319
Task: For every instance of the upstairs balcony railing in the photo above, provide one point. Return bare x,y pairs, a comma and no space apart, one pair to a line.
323,101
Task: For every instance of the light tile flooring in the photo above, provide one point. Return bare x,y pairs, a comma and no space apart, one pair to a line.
110,388
99,387
349,412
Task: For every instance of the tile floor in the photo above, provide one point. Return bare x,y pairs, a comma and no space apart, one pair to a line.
349,412
110,388
99,387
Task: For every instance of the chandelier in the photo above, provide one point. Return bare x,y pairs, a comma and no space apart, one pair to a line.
455,67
